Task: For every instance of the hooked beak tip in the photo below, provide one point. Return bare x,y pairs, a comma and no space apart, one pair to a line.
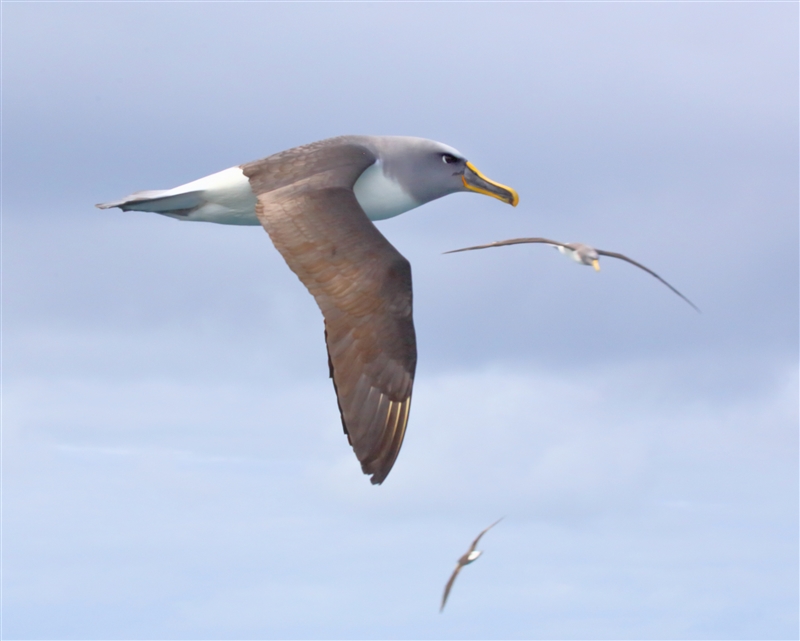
475,181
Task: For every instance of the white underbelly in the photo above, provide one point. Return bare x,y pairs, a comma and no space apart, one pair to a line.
569,253
230,201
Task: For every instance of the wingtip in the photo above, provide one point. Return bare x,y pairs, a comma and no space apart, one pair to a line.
690,303
696,308
377,477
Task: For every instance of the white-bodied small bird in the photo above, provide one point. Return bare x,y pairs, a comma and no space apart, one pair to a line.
580,253
317,203
468,558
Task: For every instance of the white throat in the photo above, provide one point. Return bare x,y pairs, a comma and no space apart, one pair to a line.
570,253
380,196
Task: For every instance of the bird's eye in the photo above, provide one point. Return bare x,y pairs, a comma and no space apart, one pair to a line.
449,159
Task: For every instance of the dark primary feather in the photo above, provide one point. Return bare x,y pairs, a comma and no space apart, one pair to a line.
361,283
649,271
450,585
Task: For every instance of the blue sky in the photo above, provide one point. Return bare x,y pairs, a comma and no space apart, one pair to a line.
173,461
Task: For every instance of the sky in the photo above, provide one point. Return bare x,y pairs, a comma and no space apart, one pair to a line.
173,464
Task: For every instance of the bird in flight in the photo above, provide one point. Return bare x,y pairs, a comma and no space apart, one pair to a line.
580,253
317,203
466,559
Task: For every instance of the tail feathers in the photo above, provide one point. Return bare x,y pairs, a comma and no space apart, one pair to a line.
164,201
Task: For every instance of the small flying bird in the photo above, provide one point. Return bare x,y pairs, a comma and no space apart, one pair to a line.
468,558
580,253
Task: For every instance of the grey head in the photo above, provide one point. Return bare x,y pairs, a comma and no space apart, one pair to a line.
409,172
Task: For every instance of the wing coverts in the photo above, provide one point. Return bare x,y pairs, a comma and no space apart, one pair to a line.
360,282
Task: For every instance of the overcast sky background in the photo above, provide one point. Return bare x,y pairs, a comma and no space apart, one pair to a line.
173,461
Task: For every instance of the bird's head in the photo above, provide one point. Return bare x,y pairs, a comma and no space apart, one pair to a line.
429,170
588,255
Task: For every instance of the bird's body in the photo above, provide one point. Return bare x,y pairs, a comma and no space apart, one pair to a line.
316,203
226,197
468,557
580,253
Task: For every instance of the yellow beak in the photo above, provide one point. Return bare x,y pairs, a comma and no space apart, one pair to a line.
596,265
474,180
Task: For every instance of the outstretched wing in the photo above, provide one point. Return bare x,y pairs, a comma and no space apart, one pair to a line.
649,271
511,241
360,282
450,585
478,538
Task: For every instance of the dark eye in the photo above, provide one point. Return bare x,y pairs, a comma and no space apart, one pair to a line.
449,159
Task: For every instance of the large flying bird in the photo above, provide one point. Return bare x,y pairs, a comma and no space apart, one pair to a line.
317,203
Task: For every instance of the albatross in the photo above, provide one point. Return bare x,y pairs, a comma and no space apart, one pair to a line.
466,559
317,203
579,252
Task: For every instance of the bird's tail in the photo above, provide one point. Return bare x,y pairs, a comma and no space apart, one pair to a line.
160,201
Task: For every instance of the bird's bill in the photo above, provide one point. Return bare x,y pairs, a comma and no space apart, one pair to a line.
596,265
474,180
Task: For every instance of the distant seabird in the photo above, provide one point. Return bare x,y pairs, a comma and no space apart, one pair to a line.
316,203
580,253
468,558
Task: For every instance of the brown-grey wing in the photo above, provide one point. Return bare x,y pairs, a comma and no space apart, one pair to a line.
363,287
478,538
510,241
449,585
332,162
649,271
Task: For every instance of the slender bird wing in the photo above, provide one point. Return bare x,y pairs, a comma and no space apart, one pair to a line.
511,241
649,271
361,283
450,585
478,538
